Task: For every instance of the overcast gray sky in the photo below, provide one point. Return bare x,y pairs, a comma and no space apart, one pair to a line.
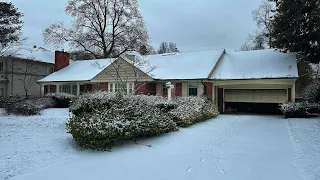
192,24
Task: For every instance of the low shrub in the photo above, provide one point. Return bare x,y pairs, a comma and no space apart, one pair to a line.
127,118
299,109
62,100
28,107
86,103
25,108
191,110
4,101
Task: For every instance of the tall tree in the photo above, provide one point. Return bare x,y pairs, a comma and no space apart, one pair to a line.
296,27
263,18
10,25
104,28
254,42
173,47
262,38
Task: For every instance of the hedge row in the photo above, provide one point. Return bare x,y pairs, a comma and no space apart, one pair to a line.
100,120
299,109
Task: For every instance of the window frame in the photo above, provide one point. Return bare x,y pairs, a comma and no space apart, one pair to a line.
127,87
68,88
194,89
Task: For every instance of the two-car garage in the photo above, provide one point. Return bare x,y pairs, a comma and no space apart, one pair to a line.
252,100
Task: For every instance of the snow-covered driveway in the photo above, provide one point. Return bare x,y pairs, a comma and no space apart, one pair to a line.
244,147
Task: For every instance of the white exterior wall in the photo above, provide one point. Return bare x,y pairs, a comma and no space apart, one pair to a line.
184,89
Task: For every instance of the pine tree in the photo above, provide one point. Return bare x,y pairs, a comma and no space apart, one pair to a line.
10,24
296,27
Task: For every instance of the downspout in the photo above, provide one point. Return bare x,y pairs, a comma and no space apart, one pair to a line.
205,88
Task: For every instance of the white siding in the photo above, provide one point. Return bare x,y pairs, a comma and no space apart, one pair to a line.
121,70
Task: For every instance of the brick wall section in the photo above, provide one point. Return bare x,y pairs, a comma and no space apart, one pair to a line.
209,89
61,60
103,86
178,90
146,88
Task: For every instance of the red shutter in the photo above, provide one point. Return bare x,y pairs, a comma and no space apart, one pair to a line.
178,88
146,88
103,87
53,88
209,89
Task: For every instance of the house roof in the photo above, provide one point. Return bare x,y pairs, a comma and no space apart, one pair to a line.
258,64
39,54
83,70
188,65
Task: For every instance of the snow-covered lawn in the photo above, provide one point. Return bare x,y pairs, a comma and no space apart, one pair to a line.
244,147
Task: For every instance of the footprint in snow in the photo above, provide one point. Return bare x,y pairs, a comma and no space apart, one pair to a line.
209,145
189,169
202,160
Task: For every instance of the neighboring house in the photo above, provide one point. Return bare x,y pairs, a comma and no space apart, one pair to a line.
20,71
244,81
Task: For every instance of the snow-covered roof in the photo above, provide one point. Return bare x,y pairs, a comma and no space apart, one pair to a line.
258,64
39,54
83,70
187,65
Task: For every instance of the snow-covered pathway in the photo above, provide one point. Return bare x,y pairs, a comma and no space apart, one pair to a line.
244,147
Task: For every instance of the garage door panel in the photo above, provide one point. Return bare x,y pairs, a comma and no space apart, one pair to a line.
256,96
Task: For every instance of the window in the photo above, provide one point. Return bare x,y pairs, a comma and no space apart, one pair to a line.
49,70
193,89
164,90
1,66
70,89
127,88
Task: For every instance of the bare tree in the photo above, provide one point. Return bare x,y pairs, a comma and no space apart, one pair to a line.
167,48
103,28
263,18
28,72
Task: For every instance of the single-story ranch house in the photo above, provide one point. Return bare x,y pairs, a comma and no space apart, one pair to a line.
249,81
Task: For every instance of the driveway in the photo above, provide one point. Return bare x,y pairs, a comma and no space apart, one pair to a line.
240,147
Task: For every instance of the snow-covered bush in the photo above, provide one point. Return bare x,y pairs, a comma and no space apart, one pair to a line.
63,100
29,107
25,108
312,92
88,102
4,101
190,110
127,118
299,109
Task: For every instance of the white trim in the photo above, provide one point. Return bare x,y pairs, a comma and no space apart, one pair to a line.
224,103
127,84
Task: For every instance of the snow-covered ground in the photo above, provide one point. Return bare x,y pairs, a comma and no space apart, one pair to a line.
244,147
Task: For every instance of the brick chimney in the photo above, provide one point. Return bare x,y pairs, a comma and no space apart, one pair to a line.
61,60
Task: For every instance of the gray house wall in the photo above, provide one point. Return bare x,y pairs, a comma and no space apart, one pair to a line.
16,69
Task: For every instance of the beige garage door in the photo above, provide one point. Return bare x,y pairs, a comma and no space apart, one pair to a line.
256,96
